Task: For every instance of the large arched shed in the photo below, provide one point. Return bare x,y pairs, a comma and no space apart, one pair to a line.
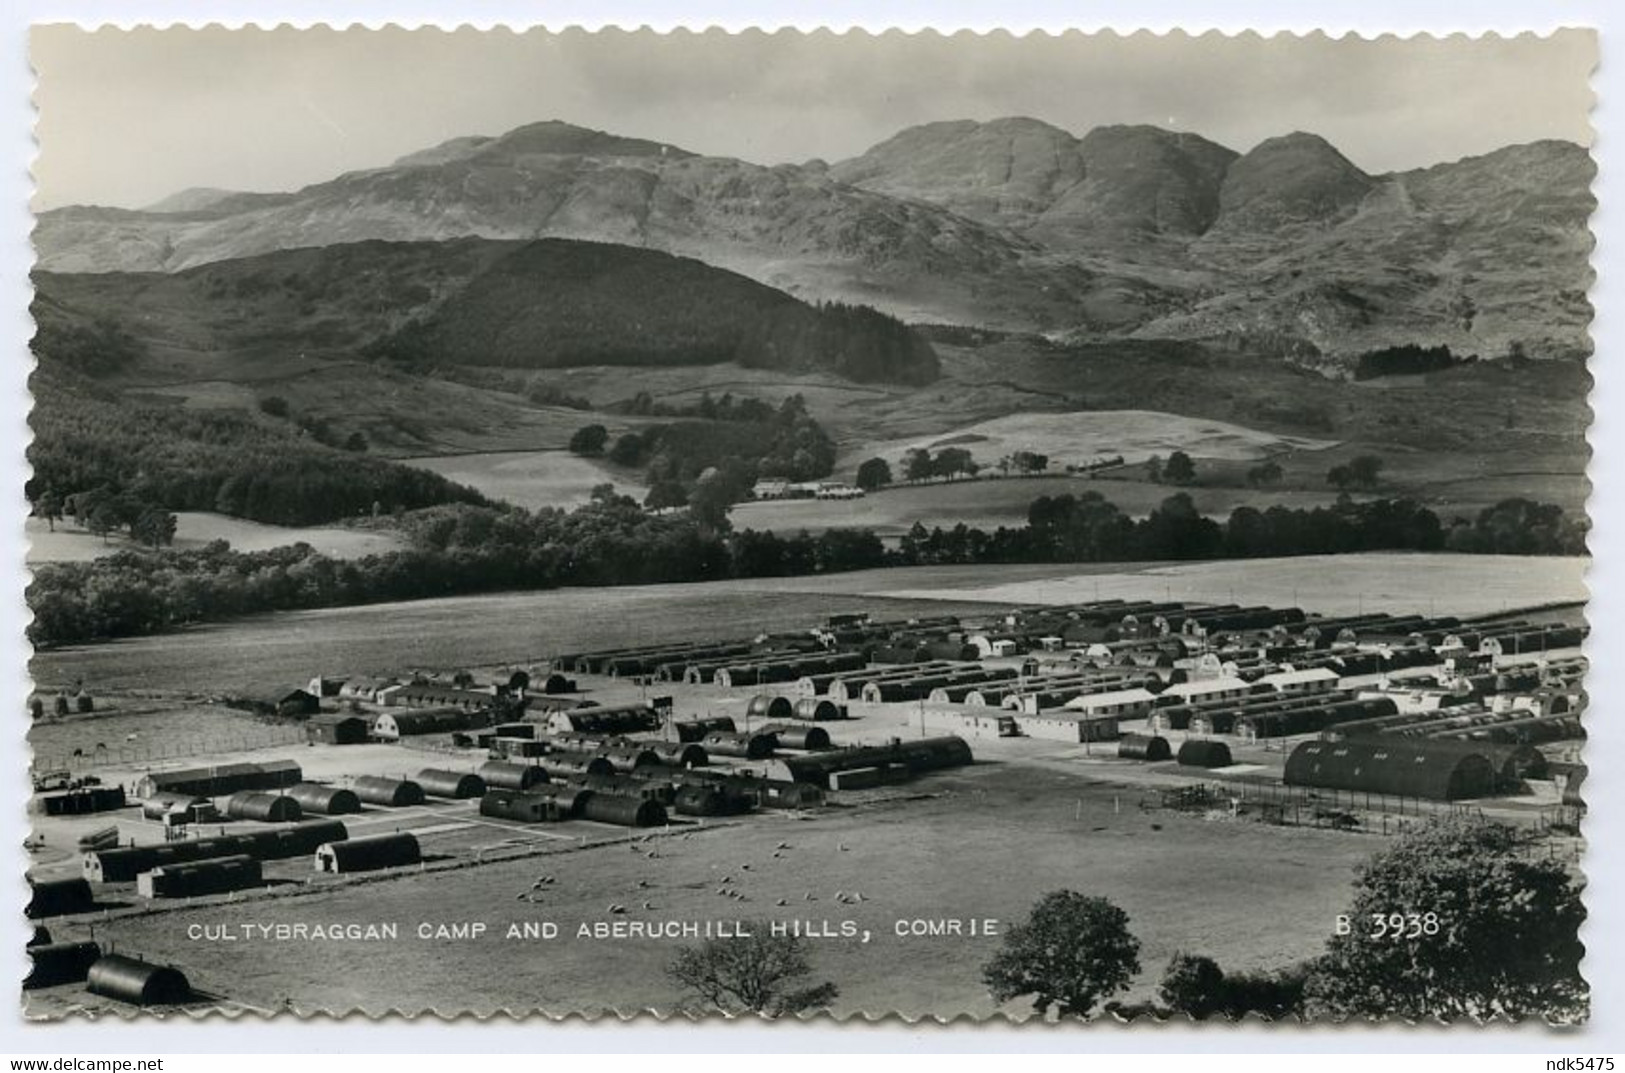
1387,766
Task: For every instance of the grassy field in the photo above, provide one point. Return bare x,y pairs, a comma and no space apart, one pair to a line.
194,529
950,854
533,479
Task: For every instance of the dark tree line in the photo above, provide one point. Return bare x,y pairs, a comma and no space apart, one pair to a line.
216,461
463,549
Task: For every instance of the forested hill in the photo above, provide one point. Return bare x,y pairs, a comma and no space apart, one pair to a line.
550,303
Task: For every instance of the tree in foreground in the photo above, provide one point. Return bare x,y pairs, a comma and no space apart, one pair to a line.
1072,952
873,474
760,973
1194,984
1506,941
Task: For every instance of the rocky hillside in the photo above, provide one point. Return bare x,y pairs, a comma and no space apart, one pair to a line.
550,303
1287,250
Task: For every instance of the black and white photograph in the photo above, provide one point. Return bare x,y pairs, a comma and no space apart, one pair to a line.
1082,528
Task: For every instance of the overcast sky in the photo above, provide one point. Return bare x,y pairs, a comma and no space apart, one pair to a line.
127,118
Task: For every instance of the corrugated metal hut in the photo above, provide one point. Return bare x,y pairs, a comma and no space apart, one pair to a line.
504,776
159,806
1409,768
191,879
695,730
1148,747
916,756
58,897
631,757
455,785
521,807
569,799
221,779
816,710
60,963
702,800
752,746
623,811
83,801
1199,752
563,765
338,728
802,737
770,706
679,754
123,864
369,854
395,725
317,799
644,789
391,793
139,983
263,808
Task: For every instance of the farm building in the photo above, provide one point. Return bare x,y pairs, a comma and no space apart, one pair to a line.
1388,766
316,799
1309,680
338,728
1150,748
121,864
222,779
395,725
191,879
628,719
502,776
1117,704
298,703
139,983
262,808
368,854
454,785
1069,726
58,897
520,807
1197,752
86,799
55,964
917,756
391,793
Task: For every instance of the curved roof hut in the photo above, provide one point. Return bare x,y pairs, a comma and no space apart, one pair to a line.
570,800
519,806
391,793
60,963
499,775
140,983
1148,747
661,790
1409,768
771,706
585,741
317,799
679,754
164,804
456,785
264,808
1199,752
714,799
751,746
191,879
564,765
695,730
59,897
802,737
626,759
369,854
818,710
623,811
